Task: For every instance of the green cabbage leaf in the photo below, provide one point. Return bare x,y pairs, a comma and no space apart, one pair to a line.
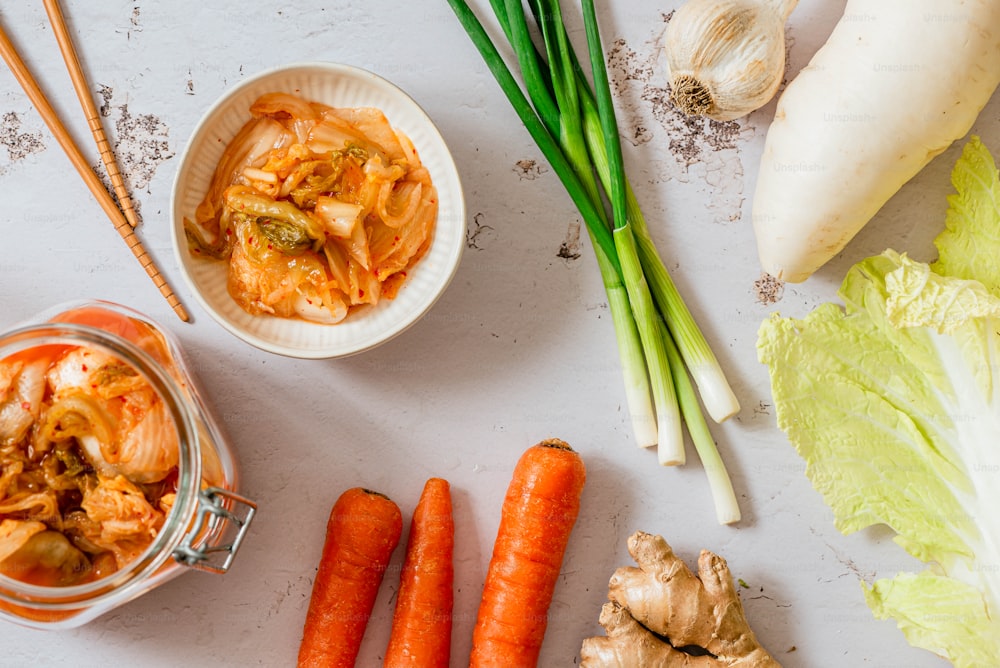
892,398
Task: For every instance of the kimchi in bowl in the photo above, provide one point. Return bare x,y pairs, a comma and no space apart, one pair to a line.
335,313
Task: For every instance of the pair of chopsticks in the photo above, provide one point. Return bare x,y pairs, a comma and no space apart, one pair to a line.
124,219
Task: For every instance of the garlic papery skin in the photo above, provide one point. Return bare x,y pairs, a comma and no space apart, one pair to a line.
726,58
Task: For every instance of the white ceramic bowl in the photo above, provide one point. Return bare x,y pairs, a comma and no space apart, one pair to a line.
364,328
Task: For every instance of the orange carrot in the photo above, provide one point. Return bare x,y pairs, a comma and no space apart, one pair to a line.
536,519
421,625
363,530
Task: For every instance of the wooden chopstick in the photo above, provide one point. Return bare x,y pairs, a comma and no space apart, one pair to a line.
82,88
38,99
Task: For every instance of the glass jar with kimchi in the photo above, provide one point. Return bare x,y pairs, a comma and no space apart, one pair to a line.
114,477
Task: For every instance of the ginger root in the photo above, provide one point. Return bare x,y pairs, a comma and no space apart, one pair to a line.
663,615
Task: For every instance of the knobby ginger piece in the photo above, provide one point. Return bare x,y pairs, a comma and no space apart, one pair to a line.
660,610
630,644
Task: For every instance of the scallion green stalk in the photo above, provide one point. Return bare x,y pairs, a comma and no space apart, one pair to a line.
574,126
713,386
545,142
727,509
669,430
652,406
670,445
638,394
563,78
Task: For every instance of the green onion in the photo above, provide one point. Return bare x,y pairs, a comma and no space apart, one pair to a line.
592,217
559,110
575,128
714,388
671,439
638,396
727,510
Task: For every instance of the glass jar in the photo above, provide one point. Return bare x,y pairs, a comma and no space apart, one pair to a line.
199,520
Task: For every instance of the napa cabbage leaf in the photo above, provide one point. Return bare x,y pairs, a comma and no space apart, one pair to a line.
892,398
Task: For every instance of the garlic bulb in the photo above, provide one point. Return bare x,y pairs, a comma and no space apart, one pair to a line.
726,58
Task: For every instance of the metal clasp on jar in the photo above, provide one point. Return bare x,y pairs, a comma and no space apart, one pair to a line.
212,511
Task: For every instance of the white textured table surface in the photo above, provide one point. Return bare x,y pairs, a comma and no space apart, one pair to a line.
520,348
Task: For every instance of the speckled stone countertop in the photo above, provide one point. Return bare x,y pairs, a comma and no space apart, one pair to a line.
520,348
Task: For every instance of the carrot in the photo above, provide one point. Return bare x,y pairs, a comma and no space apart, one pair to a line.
363,530
421,624
537,516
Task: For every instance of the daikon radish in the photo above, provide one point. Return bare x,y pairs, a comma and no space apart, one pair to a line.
896,83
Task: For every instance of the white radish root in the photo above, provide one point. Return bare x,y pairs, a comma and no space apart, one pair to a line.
895,85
